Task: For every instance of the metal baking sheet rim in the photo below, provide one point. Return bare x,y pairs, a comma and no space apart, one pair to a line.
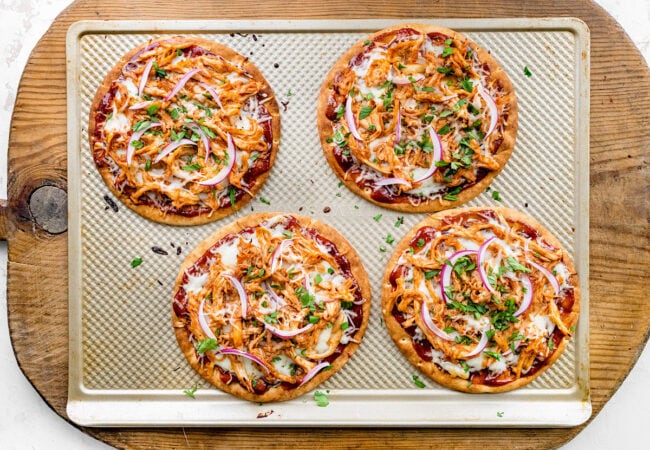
137,408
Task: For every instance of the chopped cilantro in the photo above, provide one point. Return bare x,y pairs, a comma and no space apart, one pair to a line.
429,274
399,221
192,167
366,42
418,382
467,84
147,165
445,70
515,266
330,271
191,391
499,413
496,196
371,127
382,248
232,196
160,73
137,144
365,112
345,326
377,218
141,125
265,201
340,111
447,51
390,239
420,242
136,262
445,129
321,399
153,109
494,355
272,318
527,72
313,319
206,344
318,278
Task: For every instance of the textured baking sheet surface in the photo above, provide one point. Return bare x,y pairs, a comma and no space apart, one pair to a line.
122,344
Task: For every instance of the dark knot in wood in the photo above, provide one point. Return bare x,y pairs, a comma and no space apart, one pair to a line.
48,206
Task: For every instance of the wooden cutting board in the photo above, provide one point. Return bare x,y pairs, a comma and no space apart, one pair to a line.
33,219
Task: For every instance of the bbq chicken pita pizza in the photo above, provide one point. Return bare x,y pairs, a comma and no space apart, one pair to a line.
417,118
481,299
270,306
184,130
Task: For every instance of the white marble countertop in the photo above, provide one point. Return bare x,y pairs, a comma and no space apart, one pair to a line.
27,422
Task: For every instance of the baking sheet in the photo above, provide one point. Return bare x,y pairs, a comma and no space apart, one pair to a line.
125,366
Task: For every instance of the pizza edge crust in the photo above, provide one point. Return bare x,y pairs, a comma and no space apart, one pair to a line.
431,205
154,213
277,393
403,340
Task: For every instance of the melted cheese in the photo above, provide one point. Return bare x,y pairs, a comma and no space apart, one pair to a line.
195,283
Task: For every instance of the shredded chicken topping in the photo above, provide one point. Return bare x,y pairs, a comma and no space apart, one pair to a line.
166,122
300,304
409,90
476,330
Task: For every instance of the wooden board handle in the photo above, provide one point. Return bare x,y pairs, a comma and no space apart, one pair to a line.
4,220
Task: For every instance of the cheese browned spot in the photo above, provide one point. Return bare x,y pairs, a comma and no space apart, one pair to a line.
306,306
161,123
481,337
417,118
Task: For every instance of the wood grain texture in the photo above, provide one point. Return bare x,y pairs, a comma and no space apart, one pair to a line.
619,239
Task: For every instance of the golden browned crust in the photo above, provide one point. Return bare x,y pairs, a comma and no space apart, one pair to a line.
498,76
152,212
433,370
278,393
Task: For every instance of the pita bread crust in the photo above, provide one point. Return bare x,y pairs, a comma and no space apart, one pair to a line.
154,213
429,368
504,151
278,393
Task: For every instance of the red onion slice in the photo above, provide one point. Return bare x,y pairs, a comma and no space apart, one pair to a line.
549,276
528,295
275,298
242,294
391,181
492,106
437,155
482,343
234,351
275,257
287,334
135,57
140,105
213,93
426,318
204,323
445,272
144,77
407,80
312,373
231,151
204,138
130,149
171,147
349,118
181,83
479,262
398,127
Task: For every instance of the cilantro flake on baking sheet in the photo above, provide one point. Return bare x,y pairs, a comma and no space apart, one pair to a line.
136,262
390,239
377,218
191,391
527,72
499,413
265,201
321,399
496,196
399,221
418,382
